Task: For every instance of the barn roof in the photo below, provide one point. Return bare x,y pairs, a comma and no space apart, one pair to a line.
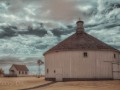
20,67
81,41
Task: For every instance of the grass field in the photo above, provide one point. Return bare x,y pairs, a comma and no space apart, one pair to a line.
34,83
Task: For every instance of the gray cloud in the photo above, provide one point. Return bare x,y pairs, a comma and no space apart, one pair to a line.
9,60
16,60
40,10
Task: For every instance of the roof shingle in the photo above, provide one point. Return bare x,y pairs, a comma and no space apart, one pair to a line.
20,67
81,41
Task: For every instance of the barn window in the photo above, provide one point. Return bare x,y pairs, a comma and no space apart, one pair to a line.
114,55
47,70
54,71
85,54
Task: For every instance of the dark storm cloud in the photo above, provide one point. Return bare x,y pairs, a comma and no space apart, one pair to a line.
12,31
8,31
63,31
37,32
102,26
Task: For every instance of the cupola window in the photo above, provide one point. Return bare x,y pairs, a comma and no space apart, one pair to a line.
54,71
85,54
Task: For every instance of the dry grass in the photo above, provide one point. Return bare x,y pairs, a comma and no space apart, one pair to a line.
27,82
15,83
84,85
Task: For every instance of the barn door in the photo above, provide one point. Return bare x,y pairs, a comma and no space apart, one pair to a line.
116,71
59,75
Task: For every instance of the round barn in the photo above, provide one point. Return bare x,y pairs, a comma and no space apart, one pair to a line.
81,57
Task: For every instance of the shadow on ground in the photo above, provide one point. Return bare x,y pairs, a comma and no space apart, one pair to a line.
39,86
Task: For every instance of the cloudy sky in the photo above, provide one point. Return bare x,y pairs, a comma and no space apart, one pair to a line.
30,27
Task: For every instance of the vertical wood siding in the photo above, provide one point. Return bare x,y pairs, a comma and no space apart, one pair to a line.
75,65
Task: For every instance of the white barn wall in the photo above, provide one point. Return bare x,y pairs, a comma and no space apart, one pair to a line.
74,65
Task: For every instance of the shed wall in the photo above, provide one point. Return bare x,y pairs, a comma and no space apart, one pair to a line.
17,72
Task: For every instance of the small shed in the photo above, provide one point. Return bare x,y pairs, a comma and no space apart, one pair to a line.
18,70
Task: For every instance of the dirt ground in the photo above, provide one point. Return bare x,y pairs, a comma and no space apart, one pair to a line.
16,83
33,83
83,85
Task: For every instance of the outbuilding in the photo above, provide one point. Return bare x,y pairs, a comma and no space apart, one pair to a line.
82,57
18,70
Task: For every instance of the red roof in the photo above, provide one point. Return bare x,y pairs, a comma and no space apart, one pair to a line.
81,41
20,67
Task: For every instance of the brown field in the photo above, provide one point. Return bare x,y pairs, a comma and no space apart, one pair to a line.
16,83
33,83
84,85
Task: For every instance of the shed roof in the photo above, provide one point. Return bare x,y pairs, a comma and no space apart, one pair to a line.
20,67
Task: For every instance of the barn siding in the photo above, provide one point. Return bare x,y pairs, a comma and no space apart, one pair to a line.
74,65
